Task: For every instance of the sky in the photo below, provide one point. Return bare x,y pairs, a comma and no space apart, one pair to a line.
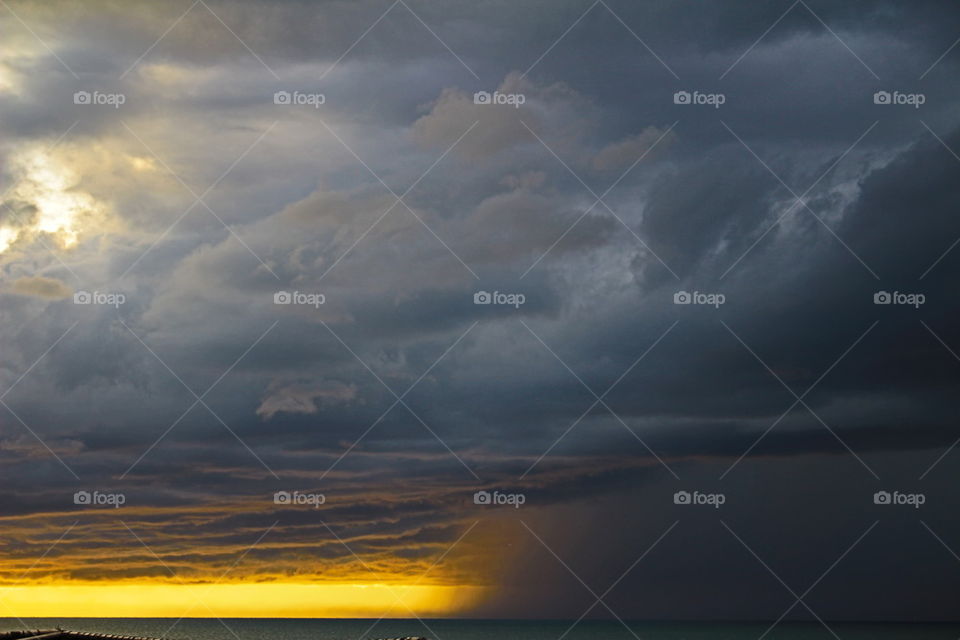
634,310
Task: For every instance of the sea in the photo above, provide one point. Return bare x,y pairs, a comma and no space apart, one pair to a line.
447,629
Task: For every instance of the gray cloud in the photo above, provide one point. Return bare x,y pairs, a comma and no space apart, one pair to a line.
41,287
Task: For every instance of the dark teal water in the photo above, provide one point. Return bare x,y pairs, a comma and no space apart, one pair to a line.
260,629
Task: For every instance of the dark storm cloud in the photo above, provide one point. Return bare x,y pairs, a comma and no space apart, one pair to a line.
492,208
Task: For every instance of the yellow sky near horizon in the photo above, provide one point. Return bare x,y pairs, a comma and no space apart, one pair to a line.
233,600
149,568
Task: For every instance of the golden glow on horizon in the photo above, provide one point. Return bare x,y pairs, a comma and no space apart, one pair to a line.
234,600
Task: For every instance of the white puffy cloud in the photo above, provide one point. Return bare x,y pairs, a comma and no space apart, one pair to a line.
304,398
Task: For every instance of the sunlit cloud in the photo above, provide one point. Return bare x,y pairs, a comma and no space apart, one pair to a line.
48,199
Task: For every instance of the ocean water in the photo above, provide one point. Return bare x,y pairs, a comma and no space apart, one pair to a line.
264,629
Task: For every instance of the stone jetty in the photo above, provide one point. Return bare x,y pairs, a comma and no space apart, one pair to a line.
62,634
